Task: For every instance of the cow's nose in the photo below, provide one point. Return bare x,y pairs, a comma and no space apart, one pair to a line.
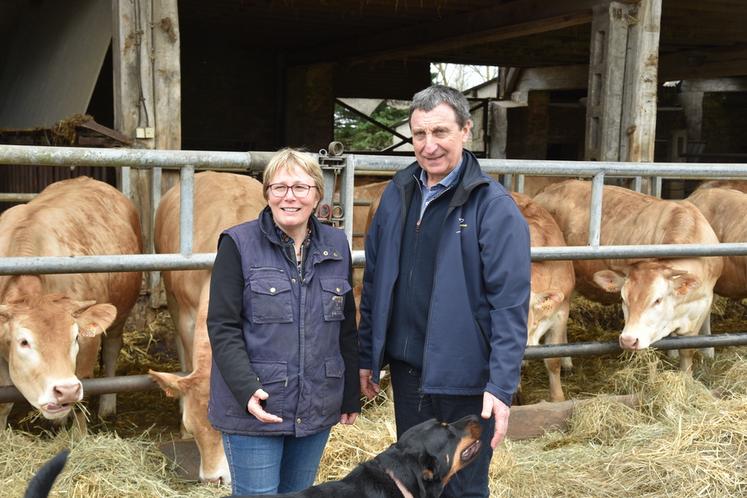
628,342
67,393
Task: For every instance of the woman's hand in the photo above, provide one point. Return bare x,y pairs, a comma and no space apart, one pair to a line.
368,387
348,418
254,406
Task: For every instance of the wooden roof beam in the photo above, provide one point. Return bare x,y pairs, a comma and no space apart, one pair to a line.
699,64
501,22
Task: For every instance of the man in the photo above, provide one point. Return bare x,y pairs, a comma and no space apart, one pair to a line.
446,286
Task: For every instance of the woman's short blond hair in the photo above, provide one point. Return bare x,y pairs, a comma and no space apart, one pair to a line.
291,159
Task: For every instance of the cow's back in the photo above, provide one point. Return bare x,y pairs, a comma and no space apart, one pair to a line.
628,218
221,200
725,209
544,232
78,217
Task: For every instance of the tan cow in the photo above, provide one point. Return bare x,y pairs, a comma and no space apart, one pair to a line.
740,185
659,296
370,193
726,209
221,200
50,325
552,286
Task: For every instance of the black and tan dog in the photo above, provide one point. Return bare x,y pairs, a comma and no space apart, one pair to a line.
417,466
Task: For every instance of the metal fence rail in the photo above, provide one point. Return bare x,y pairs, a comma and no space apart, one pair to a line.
188,161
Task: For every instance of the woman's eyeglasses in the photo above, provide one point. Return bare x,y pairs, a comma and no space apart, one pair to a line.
299,190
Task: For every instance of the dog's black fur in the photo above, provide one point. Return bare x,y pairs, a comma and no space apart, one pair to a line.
42,482
423,460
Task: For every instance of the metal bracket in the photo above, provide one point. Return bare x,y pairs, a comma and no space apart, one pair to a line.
330,209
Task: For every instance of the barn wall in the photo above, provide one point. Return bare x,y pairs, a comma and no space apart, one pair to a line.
229,93
391,80
725,123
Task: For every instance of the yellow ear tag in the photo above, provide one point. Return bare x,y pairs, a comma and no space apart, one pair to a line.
90,331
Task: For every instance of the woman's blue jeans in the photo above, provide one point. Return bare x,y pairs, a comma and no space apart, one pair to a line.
262,465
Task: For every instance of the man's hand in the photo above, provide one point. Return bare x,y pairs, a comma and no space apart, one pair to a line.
368,387
254,406
348,418
493,406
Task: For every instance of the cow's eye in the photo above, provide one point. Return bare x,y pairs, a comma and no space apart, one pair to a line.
657,302
25,343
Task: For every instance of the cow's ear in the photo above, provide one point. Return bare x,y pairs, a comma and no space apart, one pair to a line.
168,382
548,300
685,283
6,313
609,280
94,320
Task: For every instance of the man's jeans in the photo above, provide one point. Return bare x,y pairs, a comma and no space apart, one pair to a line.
273,464
411,407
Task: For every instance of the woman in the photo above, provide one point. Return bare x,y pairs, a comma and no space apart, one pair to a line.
281,322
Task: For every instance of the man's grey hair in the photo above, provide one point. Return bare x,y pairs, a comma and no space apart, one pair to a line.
435,95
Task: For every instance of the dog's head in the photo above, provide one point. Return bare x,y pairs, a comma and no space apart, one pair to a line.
440,451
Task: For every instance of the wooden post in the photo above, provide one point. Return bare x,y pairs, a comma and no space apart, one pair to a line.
147,92
609,36
310,106
498,131
641,82
538,125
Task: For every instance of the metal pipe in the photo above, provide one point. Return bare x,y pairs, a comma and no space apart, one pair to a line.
113,263
16,197
135,158
156,183
595,209
348,198
131,383
656,184
93,387
573,168
256,160
598,348
199,261
186,209
622,252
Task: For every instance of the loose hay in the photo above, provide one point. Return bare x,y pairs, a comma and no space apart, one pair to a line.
98,466
680,441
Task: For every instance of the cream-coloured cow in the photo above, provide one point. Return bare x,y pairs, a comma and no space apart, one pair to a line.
659,296
552,286
51,325
740,185
221,201
726,209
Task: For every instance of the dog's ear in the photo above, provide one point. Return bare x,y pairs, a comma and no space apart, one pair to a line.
429,477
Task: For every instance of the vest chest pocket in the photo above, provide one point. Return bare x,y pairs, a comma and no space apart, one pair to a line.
333,297
271,300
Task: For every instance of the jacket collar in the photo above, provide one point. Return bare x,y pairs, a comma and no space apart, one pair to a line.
471,177
320,242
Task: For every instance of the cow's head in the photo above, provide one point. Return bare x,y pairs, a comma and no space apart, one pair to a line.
657,301
543,314
39,337
194,390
